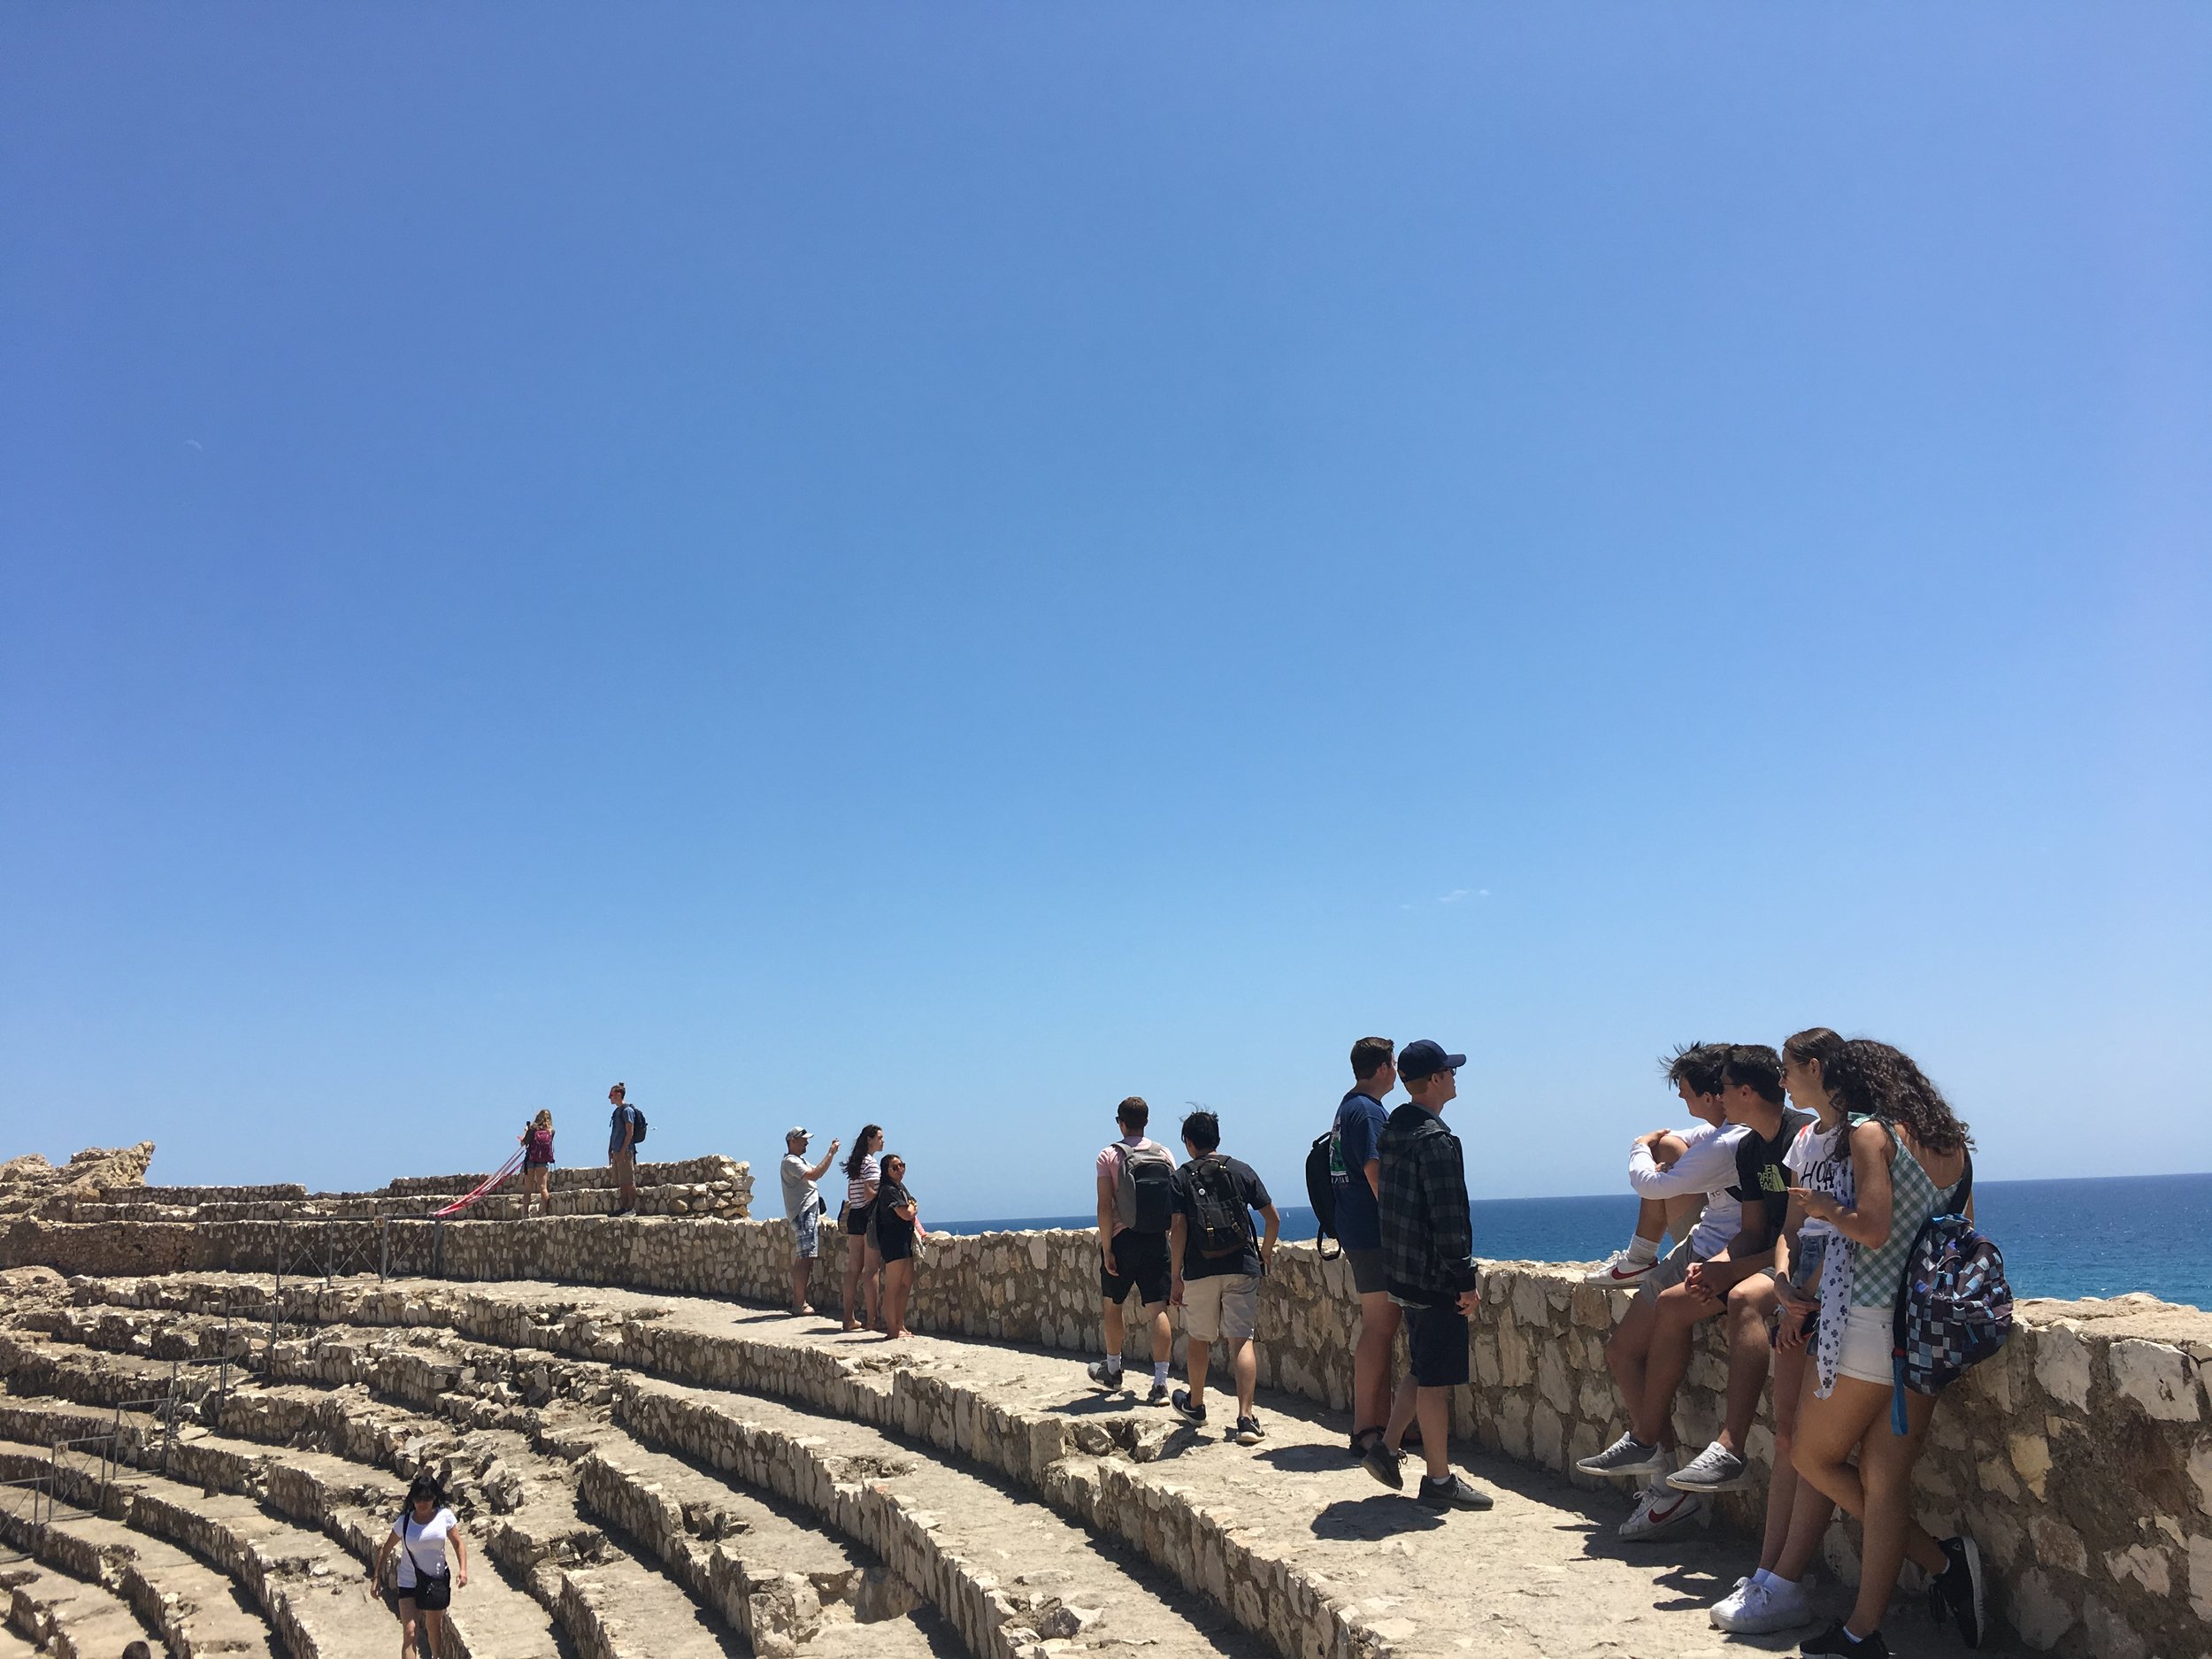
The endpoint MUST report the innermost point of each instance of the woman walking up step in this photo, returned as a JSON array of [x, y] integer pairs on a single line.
[[420, 1536], [537, 1164]]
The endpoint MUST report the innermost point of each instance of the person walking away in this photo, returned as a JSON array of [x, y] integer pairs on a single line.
[[1135, 1178], [1736, 1280], [802, 1208], [1216, 1267], [862, 1267], [1910, 1161], [537, 1164], [1772, 1598], [1428, 1247], [623, 1130], [423, 1531], [1702, 1171], [898, 1225], [1356, 1175]]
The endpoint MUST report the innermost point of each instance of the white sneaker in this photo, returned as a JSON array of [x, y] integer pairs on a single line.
[[1724, 1613], [1660, 1510], [1764, 1608], [1617, 1272]]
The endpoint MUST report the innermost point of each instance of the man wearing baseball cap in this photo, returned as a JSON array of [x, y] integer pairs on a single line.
[[1429, 1270], [803, 1207]]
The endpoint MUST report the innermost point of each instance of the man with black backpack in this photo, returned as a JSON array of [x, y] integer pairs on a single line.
[[625, 1130], [1136, 1202], [1356, 1182], [1218, 1264]]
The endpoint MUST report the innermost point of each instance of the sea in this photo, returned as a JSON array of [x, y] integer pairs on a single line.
[[2067, 1237]]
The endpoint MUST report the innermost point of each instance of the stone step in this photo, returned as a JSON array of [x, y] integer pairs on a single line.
[[14, 1646], [1007, 1569], [610, 1606], [775, 1580], [310, 1592], [67, 1618], [195, 1612]]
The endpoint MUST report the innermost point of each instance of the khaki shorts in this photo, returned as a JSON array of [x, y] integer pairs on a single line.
[[1671, 1269], [1224, 1308]]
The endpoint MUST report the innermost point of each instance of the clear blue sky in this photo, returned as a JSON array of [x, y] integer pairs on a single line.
[[947, 565]]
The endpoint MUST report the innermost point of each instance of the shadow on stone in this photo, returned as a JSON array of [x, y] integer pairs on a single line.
[[1304, 1460], [1385, 1515]]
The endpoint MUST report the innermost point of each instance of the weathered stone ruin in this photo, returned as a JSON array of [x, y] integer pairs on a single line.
[[651, 1458]]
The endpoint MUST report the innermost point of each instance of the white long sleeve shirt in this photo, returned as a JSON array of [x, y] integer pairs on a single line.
[[1707, 1166]]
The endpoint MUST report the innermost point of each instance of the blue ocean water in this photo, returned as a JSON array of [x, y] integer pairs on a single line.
[[2072, 1238]]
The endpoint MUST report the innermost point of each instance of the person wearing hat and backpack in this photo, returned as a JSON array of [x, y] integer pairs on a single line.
[[1428, 1242], [1136, 1203], [1217, 1266]]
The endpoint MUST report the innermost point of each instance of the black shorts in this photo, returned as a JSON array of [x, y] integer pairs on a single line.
[[895, 1248], [430, 1595], [1143, 1259], [857, 1219], [1436, 1339]]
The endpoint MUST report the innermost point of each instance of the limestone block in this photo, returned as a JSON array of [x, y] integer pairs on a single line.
[[1546, 1436], [2109, 1635], [2030, 1460], [1513, 1426], [1551, 1381], [2144, 1564], [2200, 1475], [2062, 1363], [2160, 1378], [2037, 1611], [1994, 1475], [2057, 1544], [1529, 1305]]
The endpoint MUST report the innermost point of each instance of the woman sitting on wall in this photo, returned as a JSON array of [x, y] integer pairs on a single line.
[[419, 1536], [897, 1225], [537, 1164], [862, 1265]]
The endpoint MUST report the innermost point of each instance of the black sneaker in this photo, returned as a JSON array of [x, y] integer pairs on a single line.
[[1451, 1493], [1385, 1465], [1836, 1639], [1248, 1432], [1955, 1593], [1190, 1410], [1104, 1377], [1158, 1396]]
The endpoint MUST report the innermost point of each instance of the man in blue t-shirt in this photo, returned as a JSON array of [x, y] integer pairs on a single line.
[[1355, 1171]]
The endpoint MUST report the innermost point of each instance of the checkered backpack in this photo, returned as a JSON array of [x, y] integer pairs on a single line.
[[1954, 1307]]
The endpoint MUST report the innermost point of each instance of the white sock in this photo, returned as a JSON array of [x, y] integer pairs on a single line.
[[1159, 1373], [1641, 1250], [1763, 1577], [1113, 1365], [1775, 1581]]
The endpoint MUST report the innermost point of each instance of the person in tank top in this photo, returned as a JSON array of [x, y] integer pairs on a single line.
[[1908, 1159]]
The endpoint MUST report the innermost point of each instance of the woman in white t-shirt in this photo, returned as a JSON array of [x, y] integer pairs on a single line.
[[1820, 1161], [422, 1534]]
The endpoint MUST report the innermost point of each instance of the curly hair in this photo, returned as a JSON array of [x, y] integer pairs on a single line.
[[1872, 1078], [1699, 1064]]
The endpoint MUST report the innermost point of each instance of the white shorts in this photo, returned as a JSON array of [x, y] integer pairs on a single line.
[[1224, 1308], [1869, 1338]]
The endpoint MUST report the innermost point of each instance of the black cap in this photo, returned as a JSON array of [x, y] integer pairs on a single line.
[[1417, 1060]]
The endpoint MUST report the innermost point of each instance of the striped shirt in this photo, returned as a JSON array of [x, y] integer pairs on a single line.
[[857, 1187]]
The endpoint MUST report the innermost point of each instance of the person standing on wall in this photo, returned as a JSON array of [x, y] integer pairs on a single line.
[[1355, 1173], [1428, 1242], [625, 1130], [1136, 1206], [1217, 1265], [537, 1164], [802, 1208], [862, 1172]]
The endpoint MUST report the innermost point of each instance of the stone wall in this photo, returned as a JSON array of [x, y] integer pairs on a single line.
[[2081, 1457]]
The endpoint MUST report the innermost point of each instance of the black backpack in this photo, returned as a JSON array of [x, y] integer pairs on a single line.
[[637, 1125], [1321, 1191], [1219, 1224]]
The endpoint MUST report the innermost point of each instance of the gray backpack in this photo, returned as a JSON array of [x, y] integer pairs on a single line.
[[1144, 1187]]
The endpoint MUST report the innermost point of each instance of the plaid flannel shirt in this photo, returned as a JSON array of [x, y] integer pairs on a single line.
[[1427, 1240]]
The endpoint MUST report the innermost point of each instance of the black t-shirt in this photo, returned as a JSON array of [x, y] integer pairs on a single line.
[[1760, 1177], [1249, 1189], [890, 1230]]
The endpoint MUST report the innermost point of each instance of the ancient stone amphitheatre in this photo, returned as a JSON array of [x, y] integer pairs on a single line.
[[214, 1397]]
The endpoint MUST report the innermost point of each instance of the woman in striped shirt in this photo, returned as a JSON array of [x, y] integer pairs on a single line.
[[864, 1268]]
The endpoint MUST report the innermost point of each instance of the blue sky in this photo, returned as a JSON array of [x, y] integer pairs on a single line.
[[945, 565]]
